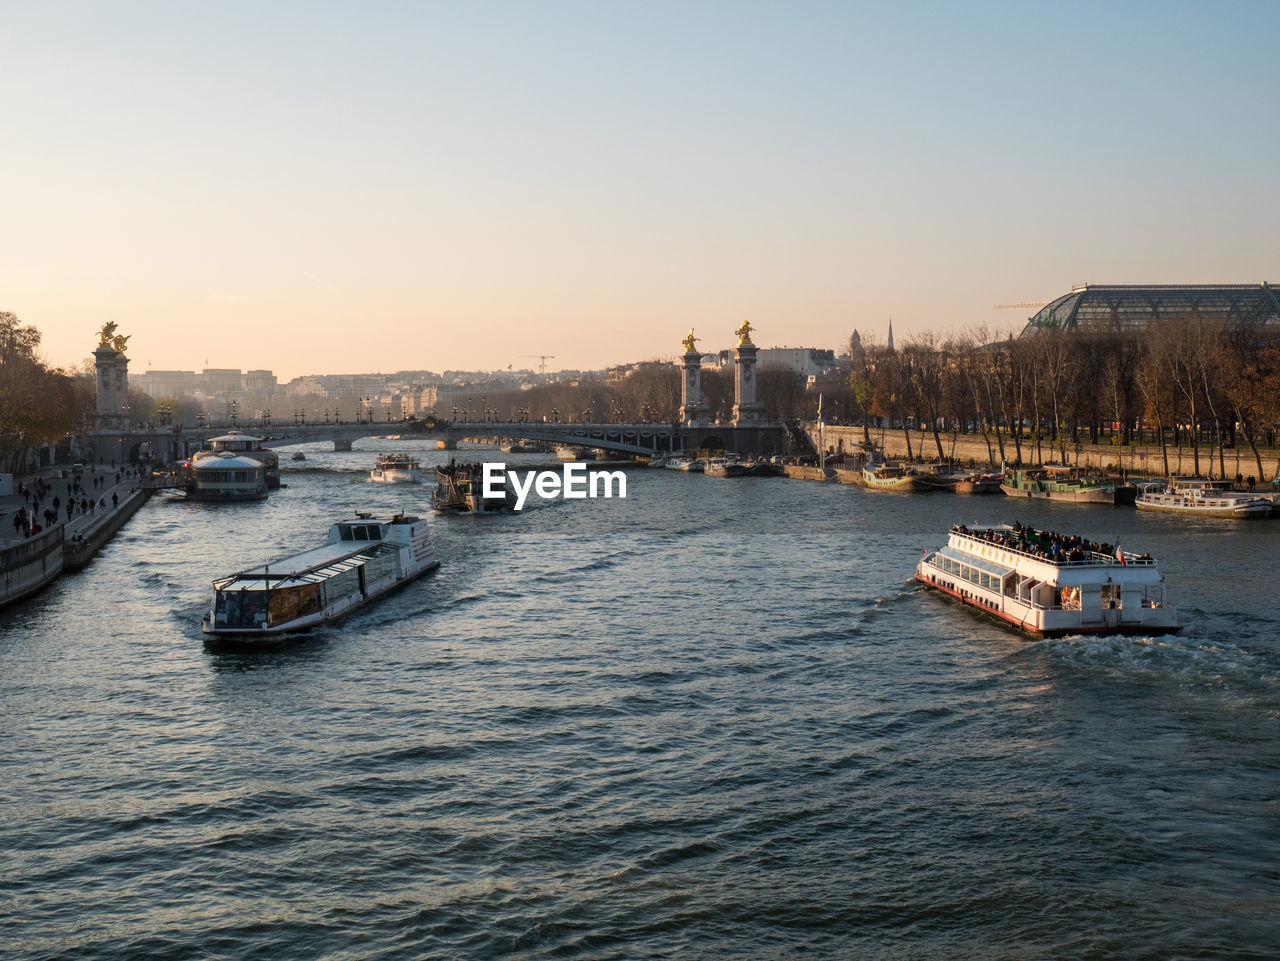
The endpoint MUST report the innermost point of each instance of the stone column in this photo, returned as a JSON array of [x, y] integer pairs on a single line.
[[693, 406], [747, 410], [113, 387]]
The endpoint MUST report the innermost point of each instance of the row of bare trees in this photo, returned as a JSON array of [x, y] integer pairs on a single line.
[[1186, 380], [38, 404]]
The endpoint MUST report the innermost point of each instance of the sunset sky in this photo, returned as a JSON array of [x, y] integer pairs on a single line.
[[324, 187]]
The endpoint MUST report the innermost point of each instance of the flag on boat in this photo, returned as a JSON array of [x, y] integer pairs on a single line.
[[1120, 554]]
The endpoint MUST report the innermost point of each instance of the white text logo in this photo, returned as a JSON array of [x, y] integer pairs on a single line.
[[571, 482]]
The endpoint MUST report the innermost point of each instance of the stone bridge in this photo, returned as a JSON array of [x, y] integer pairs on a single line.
[[171, 444]]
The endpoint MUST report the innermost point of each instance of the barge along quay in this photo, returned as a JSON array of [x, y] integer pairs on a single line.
[[1048, 584], [1201, 498], [364, 558]]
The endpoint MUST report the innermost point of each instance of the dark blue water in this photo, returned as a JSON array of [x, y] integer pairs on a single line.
[[712, 721]]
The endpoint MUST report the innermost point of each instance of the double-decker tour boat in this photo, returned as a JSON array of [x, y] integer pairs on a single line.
[[1049, 584], [1203, 498], [396, 469], [364, 558]]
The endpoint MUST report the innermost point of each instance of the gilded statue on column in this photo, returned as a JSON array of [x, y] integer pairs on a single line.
[[107, 337], [690, 342], [744, 334]]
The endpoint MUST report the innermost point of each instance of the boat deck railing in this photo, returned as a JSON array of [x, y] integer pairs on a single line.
[[1091, 558]]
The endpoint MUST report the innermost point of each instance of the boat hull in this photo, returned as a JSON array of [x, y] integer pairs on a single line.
[[981, 485], [395, 477], [1089, 495], [1238, 512], [898, 484], [985, 607]]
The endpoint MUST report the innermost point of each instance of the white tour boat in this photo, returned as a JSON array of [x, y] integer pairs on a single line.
[[1203, 498], [1050, 585], [365, 557], [396, 469]]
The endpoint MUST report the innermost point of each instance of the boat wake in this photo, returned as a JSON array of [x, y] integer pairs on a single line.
[[1195, 663]]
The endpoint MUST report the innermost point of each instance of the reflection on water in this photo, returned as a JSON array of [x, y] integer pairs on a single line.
[[714, 720]]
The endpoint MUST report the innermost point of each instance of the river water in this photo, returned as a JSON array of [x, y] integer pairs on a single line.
[[714, 720]]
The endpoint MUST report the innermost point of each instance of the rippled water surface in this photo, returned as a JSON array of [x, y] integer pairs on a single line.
[[713, 720]]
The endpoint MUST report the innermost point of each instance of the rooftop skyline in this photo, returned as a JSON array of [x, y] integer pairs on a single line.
[[310, 188]]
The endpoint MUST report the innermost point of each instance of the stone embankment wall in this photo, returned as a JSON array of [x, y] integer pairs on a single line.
[[965, 447]]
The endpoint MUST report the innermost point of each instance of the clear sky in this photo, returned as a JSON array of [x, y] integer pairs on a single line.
[[337, 187]]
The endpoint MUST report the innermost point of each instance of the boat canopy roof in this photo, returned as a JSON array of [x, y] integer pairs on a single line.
[[310, 567], [227, 461], [235, 435]]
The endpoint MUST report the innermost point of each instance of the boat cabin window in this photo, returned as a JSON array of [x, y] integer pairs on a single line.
[[362, 532], [240, 609], [289, 603]]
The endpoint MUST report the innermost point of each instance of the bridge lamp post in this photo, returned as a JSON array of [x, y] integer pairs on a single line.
[[235, 406]]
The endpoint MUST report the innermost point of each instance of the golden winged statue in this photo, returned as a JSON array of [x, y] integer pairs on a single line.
[[744, 334], [690, 342], [106, 333], [118, 342]]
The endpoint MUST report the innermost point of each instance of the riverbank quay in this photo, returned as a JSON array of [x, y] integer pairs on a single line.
[[1139, 460], [801, 472], [30, 564]]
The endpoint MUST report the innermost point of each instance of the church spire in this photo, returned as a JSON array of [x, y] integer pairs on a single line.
[[891, 333]]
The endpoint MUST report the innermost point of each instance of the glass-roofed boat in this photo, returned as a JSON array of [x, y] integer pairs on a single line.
[[364, 558]]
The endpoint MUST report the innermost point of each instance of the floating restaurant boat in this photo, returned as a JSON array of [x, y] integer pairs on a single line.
[[244, 445], [565, 452], [1203, 498], [1060, 482], [658, 460], [226, 477], [364, 558], [460, 490], [1049, 585], [396, 469]]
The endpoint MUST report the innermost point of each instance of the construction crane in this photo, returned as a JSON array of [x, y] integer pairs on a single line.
[[1025, 305], [542, 361]]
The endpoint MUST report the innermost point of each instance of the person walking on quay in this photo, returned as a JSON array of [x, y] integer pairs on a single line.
[[57, 502], [115, 500]]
